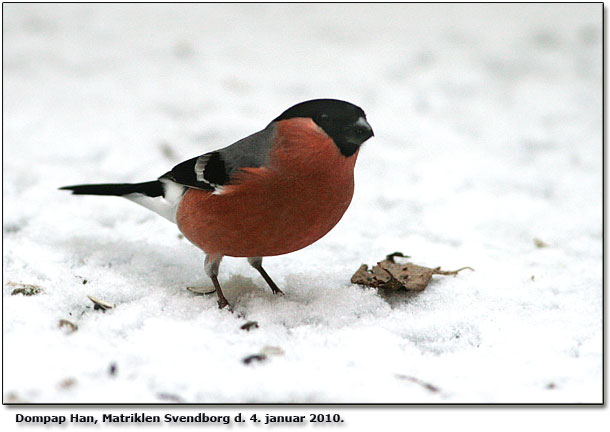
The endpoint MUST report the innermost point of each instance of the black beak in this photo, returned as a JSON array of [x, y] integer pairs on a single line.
[[353, 135], [361, 131]]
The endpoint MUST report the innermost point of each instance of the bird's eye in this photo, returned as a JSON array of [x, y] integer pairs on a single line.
[[323, 117]]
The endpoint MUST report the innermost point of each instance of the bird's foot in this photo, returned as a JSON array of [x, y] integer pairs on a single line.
[[223, 303], [277, 291]]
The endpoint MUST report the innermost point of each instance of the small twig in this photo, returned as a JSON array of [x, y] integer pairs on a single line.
[[424, 384], [450, 272], [391, 256]]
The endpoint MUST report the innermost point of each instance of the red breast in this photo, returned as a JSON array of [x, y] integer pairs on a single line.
[[294, 201]]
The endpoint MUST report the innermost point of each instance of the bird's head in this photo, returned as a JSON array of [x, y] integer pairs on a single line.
[[342, 121]]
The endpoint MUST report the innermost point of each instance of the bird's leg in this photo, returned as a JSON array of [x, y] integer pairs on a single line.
[[257, 263], [222, 301], [211, 268]]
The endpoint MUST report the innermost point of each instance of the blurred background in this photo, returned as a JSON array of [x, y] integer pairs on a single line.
[[488, 138]]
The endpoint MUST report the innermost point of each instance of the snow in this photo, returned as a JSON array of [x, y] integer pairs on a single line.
[[487, 124]]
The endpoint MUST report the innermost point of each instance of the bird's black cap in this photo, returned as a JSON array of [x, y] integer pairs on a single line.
[[344, 122]]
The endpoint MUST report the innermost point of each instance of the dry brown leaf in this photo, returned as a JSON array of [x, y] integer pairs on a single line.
[[25, 289], [100, 304], [540, 243], [13, 398], [390, 275], [202, 290], [68, 325], [250, 325], [67, 383]]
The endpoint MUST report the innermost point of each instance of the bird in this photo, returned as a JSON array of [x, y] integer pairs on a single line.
[[271, 193]]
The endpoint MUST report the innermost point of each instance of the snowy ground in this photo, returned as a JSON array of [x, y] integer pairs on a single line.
[[488, 136]]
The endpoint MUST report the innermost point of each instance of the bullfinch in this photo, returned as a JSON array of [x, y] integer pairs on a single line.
[[271, 193]]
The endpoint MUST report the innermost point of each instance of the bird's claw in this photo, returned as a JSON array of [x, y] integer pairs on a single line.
[[223, 303]]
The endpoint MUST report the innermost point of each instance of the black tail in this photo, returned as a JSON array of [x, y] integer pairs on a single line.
[[152, 189]]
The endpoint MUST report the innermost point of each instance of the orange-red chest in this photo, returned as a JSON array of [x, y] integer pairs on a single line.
[[301, 195]]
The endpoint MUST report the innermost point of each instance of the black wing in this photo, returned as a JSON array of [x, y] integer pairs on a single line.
[[207, 172], [213, 170]]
